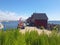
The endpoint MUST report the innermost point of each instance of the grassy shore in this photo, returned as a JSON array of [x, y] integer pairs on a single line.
[[15, 37]]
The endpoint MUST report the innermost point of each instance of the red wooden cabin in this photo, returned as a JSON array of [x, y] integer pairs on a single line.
[[39, 19]]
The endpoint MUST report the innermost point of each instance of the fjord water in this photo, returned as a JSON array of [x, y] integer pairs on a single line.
[[54, 22], [10, 24], [14, 24]]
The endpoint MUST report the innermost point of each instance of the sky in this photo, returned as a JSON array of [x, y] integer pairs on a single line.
[[14, 9]]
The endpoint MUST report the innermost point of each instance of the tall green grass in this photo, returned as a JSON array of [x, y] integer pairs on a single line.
[[14, 37]]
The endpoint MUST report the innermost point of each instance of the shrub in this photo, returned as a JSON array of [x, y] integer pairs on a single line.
[[40, 27]]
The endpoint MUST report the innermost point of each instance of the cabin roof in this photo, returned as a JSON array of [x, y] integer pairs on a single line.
[[40, 16]]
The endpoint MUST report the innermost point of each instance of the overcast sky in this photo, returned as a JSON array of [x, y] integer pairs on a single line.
[[14, 9]]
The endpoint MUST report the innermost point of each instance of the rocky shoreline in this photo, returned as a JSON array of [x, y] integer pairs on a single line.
[[52, 26]]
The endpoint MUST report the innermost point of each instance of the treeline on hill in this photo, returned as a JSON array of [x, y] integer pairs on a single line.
[[14, 37]]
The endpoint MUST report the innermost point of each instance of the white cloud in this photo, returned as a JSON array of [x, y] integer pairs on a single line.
[[6, 15]]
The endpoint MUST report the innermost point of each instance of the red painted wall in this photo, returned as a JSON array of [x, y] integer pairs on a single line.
[[41, 23]]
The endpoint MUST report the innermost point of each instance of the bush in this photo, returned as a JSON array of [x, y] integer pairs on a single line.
[[42, 27]]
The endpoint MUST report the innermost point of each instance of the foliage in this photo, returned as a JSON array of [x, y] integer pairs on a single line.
[[15, 37]]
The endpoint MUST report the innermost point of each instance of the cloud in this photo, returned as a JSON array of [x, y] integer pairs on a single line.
[[6, 15]]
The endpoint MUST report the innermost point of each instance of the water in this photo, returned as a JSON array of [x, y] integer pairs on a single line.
[[10, 24], [14, 24], [54, 22]]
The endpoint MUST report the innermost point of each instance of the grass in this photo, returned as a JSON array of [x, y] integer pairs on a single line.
[[14, 37]]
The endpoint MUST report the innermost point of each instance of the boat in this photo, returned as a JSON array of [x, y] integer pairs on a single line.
[[1, 26]]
